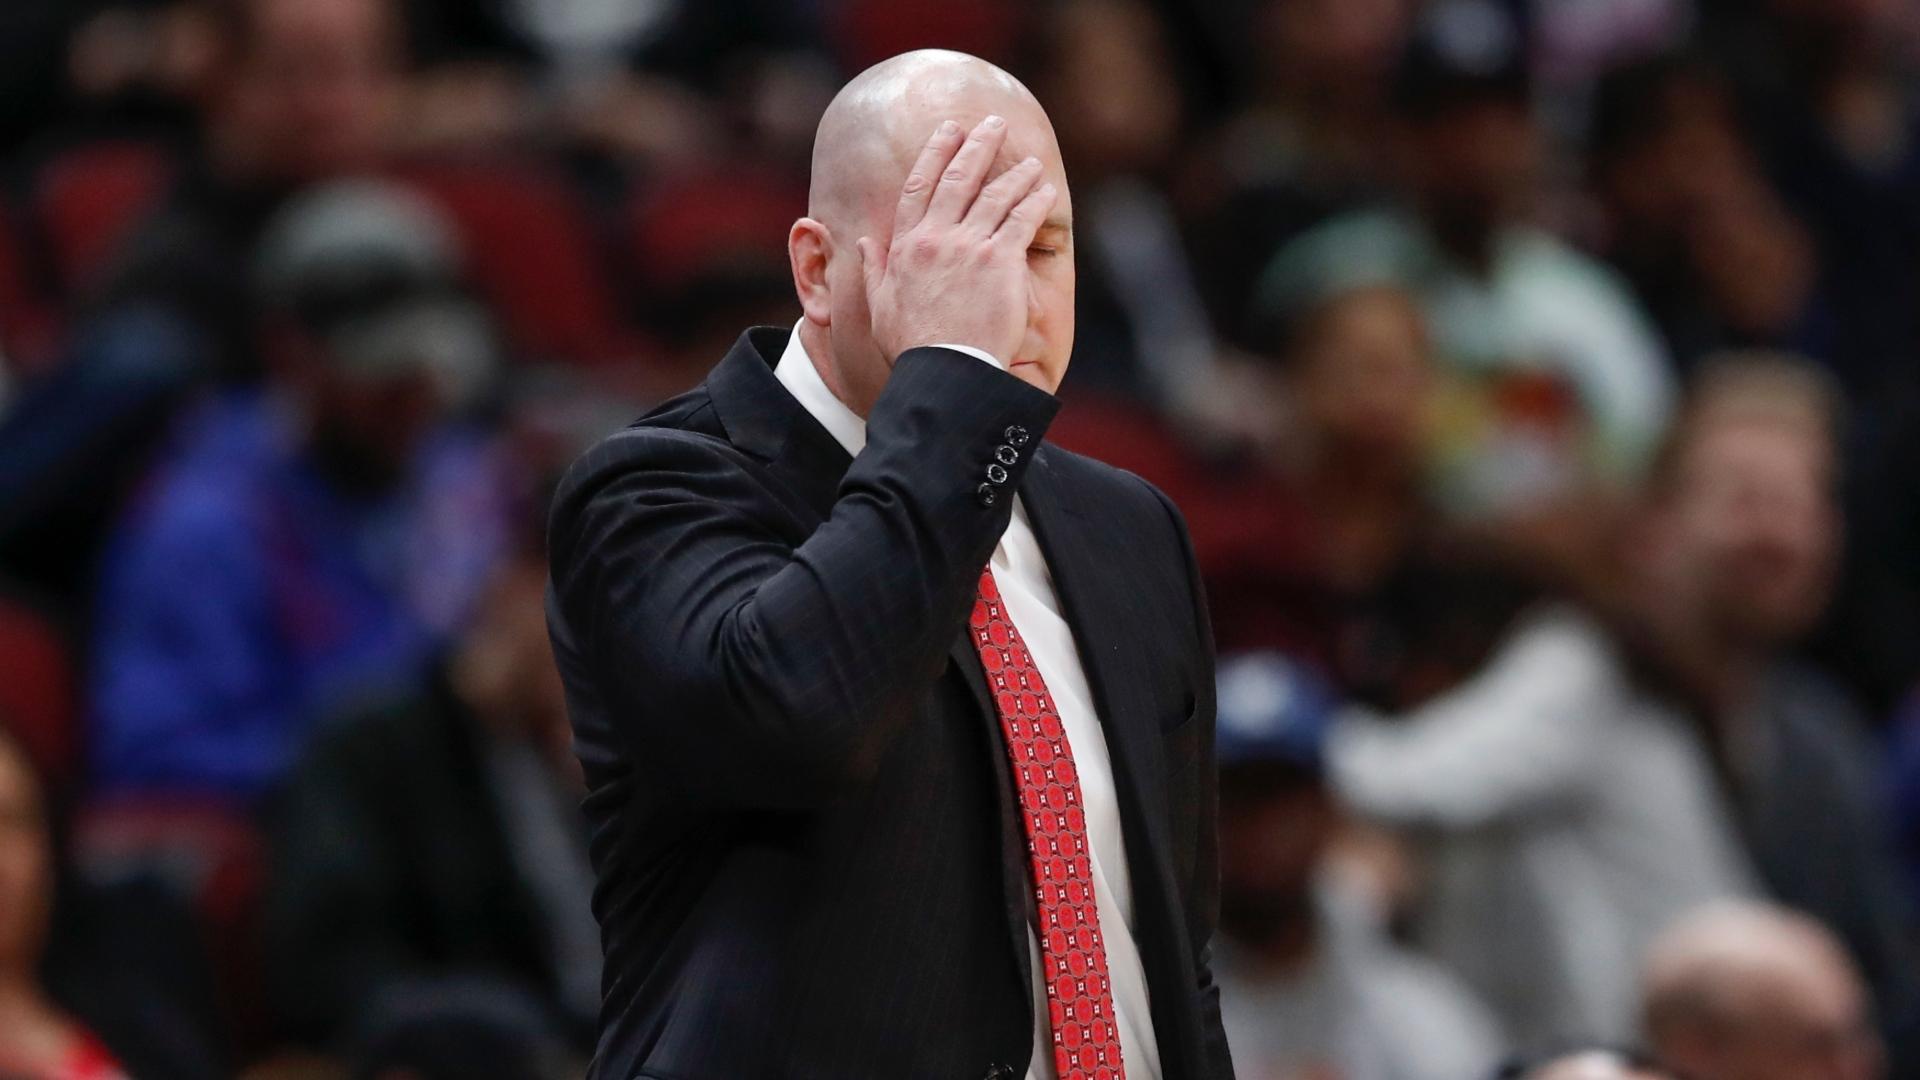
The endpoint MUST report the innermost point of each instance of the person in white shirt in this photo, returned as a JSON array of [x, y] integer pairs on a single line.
[[1311, 984]]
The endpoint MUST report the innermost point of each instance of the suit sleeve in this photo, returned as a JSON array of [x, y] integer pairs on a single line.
[[749, 672], [1203, 891]]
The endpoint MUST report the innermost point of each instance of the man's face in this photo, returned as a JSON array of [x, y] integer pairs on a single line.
[[1048, 345], [25, 865], [312, 92], [1754, 525]]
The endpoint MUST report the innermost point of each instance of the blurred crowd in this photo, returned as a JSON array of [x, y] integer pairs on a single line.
[[1540, 380]]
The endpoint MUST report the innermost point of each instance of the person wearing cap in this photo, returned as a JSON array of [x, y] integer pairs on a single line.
[[1552, 381], [311, 540], [1311, 985]]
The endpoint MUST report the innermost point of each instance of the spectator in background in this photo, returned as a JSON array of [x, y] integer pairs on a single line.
[[1142, 329], [435, 841], [1310, 984], [1609, 774], [1312, 141], [1305, 568], [1565, 817], [1552, 382], [1754, 992], [1829, 89], [297, 92], [1736, 555], [1692, 219], [38, 1041], [293, 92], [307, 541], [1311, 525]]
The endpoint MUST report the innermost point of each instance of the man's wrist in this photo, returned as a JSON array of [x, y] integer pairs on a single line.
[[977, 354]]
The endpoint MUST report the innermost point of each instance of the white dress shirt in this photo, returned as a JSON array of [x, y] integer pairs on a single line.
[[1026, 588]]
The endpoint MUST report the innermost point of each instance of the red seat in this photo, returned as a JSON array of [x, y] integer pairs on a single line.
[[530, 253], [89, 200], [711, 220]]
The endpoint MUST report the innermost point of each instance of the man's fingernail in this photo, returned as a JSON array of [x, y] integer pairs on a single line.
[[948, 127], [1031, 161], [1046, 188], [994, 121]]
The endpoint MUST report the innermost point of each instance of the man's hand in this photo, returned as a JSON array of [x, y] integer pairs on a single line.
[[955, 269]]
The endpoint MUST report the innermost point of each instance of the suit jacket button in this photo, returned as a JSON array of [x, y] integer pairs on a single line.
[[1006, 455], [996, 473], [987, 494], [1017, 435]]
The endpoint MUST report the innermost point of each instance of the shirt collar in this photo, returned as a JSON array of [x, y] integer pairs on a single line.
[[797, 373]]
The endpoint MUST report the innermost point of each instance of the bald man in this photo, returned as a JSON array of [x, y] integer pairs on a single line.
[[1750, 991], [898, 722]]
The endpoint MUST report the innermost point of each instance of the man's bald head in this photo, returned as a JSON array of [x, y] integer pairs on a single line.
[[876, 125], [874, 133], [1747, 990]]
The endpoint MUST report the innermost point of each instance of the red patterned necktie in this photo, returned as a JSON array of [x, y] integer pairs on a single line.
[[1073, 959]]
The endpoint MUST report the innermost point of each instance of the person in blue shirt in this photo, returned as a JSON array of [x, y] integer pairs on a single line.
[[312, 540]]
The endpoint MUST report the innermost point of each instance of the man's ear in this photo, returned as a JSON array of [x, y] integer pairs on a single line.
[[809, 247]]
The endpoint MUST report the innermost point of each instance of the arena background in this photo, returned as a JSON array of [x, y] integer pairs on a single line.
[[1538, 378]]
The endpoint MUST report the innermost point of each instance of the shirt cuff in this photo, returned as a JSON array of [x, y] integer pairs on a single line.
[[977, 354]]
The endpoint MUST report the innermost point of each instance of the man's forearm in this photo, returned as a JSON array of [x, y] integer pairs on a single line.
[[793, 664]]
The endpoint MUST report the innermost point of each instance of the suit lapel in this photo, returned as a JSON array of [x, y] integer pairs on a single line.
[[965, 662], [763, 419], [1082, 562]]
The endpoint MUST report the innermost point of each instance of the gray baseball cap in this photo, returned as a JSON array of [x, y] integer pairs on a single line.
[[374, 271]]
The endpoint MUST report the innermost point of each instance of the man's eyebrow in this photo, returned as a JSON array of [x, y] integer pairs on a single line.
[[1055, 226]]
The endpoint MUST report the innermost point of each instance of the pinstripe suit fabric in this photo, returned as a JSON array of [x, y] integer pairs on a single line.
[[803, 825]]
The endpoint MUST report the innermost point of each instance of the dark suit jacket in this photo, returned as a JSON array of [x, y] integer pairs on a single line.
[[803, 816]]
